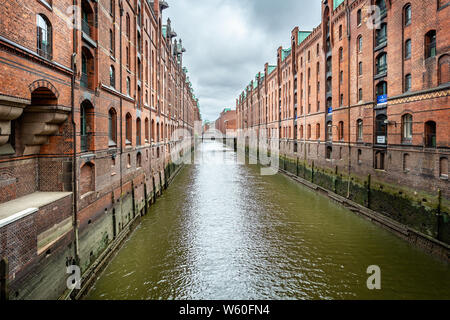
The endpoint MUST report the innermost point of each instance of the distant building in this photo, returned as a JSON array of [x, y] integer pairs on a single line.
[[227, 121]]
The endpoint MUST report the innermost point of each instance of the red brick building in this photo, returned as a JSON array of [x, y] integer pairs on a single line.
[[227, 121], [86, 122], [353, 97]]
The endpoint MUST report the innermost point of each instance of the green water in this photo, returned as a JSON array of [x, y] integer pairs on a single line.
[[223, 231]]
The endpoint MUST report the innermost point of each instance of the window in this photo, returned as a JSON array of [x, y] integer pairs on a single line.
[[359, 156], [340, 32], [360, 44], [360, 94], [44, 37], [318, 131], [359, 130], [128, 26], [381, 129], [358, 17], [128, 128], [382, 88], [406, 162], [329, 131], [86, 17], [138, 131], [407, 83], [147, 129], [111, 42], [360, 68], [309, 131], [408, 49], [83, 128], [112, 77], [382, 63], [341, 100], [381, 35], [341, 54], [341, 77], [139, 160], [128, 86], [430, 134], [407, 15], [341, 130], [407, 127], [430, 44], [382, 6], [112, 127]]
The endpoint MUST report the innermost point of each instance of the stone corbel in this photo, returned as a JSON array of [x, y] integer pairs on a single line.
[[39, 123], [11, 108]]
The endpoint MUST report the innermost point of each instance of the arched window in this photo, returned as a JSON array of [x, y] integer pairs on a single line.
[[112, 127], [318, 131], [359, 17], [360, 44], [381, 35], [44, 37], [340, 32], [138, 131], [341, 130], [407, 15], [147, 134], [128, 26], [329, 131], [444, 69], [111, 42], [430, 44], [407, 121], [128, 129], [112, 77], [360, 68], [86, 17], [309, 131], [430, 134], [86, 124], [381, 63], [341, 54], [87, 178], [408, 49], [301, 132], [360, 94], [153, 130], [359, 130], [407, 82]]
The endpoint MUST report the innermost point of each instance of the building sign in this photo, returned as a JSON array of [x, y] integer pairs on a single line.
[[381, 139], [382, 99]]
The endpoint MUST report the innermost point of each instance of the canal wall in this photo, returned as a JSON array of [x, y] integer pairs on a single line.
[[421, 218], [104, 237]]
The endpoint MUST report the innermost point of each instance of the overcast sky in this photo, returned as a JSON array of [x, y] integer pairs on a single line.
[[229, 41]]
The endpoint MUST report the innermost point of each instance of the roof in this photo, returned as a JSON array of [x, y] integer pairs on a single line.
[[271, 69], [302, 35], [164, 31], [285, 53]]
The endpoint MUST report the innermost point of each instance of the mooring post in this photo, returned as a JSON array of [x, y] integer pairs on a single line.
[[368, 190], [4, 274], [297, 168], [312, 172]]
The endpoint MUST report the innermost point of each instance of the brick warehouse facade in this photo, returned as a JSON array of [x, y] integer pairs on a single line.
[[87, 116], [362, 108]]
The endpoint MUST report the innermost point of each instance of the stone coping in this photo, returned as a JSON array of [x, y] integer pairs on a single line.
[[21, 207]]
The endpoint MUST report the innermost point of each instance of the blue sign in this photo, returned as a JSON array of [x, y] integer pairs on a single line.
[[330, 110], [382, 99]]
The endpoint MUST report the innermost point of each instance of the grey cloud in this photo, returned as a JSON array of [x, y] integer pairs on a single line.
[[228, 42]]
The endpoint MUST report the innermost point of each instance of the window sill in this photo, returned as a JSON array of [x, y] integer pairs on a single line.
[[46, 4]]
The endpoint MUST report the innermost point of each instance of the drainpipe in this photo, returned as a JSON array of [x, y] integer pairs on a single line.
[[347, 8], [74, 136], [121, 107]]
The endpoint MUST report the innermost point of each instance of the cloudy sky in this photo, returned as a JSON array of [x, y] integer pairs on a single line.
[[229, 41]]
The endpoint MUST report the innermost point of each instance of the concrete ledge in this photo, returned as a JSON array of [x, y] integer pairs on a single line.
[[17, 216]]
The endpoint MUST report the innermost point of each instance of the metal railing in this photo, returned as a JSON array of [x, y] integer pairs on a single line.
[[85, 27]]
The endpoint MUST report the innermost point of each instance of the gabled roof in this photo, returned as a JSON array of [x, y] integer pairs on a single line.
[[285, 53], [337, 3], [270, 69], [302, 35]]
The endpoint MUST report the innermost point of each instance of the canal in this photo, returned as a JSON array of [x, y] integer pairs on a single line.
[[223, 231]]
